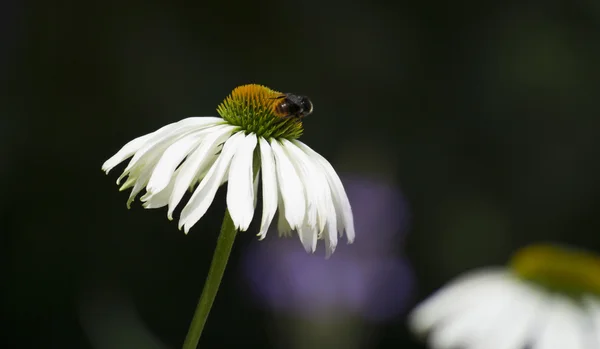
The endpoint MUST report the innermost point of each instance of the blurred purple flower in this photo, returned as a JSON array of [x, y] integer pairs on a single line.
[[367, 277]]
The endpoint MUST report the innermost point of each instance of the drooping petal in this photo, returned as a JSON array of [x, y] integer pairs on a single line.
[[160, 199], [310, 181], [317, 187], [340, 199], [197, 163], [290, 187], [125, 152], [138, 178], [140, 183], [161, 139], [137, 147], [171, 158], [319, 194], [330, 233], [341, 203], [206, 190], [308, 237], [269, 187], [240, 188]]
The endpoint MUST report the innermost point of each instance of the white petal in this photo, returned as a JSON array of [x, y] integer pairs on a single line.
[[340, 199], [138, 178], [479, 312], [197, 163], [127, 151], [269, 187], [514, 326], [330, 233], [140, 183], [240, 189], [454, 332], [136, 145], [452, 298], [318, 194], [564, 326], [161, 198], [308, 237], [206, 190], [171, 158], [161, 139], [315, 182], [309, 179], [290, 187]]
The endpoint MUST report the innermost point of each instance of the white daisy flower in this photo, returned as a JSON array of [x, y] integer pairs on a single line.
[[547, 298], [252, 139]]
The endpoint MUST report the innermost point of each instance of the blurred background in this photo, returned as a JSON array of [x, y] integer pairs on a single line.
[[461, 130]]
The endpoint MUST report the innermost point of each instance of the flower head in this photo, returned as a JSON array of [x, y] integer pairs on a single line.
[[249, 141], [548, 298]]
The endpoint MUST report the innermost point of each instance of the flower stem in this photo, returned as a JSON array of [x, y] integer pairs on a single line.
[[213, 280]]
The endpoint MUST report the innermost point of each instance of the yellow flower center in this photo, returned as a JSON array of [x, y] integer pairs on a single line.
[[569, 271], [252, 108]]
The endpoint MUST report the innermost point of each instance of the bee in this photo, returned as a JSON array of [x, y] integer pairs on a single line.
[[292, 105]]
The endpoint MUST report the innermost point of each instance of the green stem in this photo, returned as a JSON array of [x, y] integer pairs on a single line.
[[213, 280]]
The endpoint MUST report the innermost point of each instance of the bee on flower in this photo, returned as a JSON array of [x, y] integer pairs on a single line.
[[548, 297], [256, 136]]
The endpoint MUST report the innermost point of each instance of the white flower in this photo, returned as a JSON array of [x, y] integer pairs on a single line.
[[537, 304], [211, 151]]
